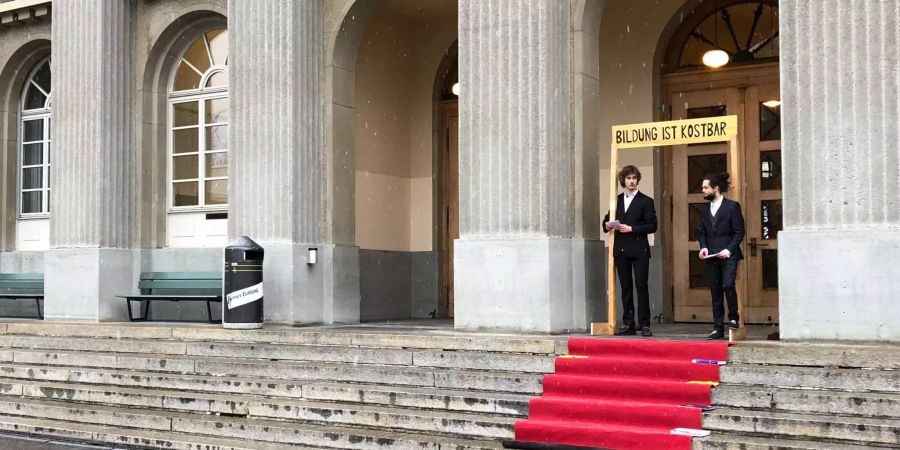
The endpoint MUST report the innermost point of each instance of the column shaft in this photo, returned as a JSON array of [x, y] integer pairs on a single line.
[[515, 158], [93, 175]]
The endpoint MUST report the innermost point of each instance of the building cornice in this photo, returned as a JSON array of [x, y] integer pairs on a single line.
[[18, 12]]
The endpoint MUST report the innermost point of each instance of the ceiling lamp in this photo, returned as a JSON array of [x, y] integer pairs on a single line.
[[772, 104], [455, 89], [715, 58]]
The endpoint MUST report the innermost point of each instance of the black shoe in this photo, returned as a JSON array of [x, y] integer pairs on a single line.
[[733, 324], [645, 332], [625, 330], [716, 334]]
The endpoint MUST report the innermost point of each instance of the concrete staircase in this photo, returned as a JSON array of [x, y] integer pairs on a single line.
[[202, 387], [806, 396], [205, 387]]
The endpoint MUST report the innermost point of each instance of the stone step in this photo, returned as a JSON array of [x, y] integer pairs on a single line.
[[483, 380], [732, 441], [156, 380], [431, 421], [424, 339], [487, 380], [272, 431], [877, 404], [133, 361], [80, 432], [377, 416], [812, 355], [426, 398], [457, 359], [816, 426], [857, 380], [450, 392]]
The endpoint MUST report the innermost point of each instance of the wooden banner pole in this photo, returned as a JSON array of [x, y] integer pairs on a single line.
[[609, 328], [611, 297]]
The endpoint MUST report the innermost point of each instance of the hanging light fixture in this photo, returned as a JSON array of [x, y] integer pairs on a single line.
[[772, 104], [455, 89], [716, 57]]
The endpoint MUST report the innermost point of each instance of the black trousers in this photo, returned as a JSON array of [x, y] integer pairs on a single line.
[[721, 274], [640, 267]]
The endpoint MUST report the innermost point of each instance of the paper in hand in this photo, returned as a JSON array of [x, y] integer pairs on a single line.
[[614, 224]]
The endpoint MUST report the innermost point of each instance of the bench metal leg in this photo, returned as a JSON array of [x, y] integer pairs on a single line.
[[40, 312], [209, 312], [146, 310]]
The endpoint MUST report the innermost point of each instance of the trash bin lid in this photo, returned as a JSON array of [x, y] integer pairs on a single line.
[[244, 243]]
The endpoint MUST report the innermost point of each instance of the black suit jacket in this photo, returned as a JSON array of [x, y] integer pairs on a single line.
[[724, 231], [641, 216]]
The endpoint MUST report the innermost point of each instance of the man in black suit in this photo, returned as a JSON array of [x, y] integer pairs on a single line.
[[721, 233], [636, 215]]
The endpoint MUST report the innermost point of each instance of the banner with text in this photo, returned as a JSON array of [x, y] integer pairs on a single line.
[[675, 132]]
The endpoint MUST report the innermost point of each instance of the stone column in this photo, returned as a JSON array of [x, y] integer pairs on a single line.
[[278, 168], [513, 263], [840, 248], [92, 225]]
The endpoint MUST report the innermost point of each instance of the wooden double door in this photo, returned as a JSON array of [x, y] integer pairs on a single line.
[[751, 93]]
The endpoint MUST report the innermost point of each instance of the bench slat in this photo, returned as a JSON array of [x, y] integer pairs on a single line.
[[22, 276], [182, 276], [6, 284], [173, 296], [180, 284]]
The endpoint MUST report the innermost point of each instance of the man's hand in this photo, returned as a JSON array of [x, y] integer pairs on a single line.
[[724, 254], [607, 226], [624, 228], [704, 252]]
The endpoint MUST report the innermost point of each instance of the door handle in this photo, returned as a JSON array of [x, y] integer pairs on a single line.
[[753, 246]]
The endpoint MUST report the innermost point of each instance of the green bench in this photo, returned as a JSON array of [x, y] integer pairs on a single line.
[[24, 286], [176, 287]]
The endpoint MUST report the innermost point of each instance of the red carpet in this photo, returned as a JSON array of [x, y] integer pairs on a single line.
[[624, 394]]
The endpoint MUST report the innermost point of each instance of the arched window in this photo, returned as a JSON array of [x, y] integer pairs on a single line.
[[747, 30], [34, 154], [198, 125]]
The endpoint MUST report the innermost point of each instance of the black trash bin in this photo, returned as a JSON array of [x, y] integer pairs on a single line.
[[242, 307]]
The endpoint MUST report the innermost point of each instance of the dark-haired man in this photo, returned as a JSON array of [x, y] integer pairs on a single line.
[[636, 217], [721, 233]]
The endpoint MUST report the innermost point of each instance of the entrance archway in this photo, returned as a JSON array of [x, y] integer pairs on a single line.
[[749, 88], [384, 195]]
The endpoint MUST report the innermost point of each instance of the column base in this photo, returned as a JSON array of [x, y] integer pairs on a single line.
[[521, 285], [82, 283], [297, 292], [839, 285]]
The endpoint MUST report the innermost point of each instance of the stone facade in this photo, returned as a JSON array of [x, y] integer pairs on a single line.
[[531, 159]]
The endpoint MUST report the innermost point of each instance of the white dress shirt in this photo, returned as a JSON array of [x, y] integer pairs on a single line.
[[629, 198], [714, 206]]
